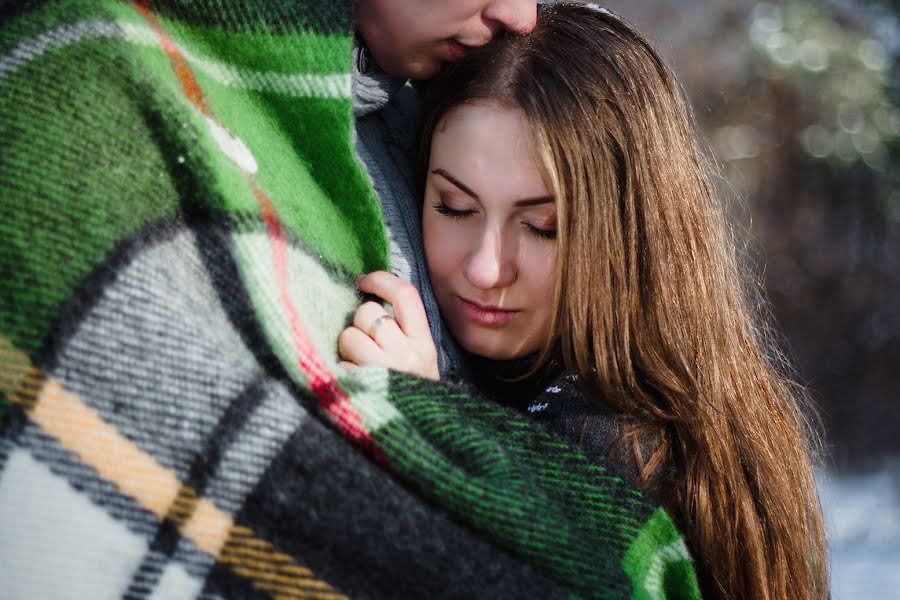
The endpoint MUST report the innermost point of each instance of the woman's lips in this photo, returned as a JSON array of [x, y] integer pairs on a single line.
[[486, 315]]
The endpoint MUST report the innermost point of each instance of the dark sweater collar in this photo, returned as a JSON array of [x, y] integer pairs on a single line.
[[372, 87], [511, 382]]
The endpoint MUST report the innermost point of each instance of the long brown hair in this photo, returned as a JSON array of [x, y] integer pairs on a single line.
[[652, 311]]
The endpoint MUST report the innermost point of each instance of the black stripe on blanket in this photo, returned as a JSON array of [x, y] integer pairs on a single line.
[[419, 553]]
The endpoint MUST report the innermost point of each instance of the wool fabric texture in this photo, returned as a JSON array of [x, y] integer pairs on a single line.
[[386, 111], [183, 218]]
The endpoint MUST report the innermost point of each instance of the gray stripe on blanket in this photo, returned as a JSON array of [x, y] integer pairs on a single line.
[[162, 359]]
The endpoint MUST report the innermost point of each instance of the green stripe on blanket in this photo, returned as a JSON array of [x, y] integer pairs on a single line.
[[183, 217]]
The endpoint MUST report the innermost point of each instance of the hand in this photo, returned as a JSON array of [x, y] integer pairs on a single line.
[[402, 342]]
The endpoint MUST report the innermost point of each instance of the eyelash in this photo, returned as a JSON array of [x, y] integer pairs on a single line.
[[458, 215], [544, 234], [451, 212]]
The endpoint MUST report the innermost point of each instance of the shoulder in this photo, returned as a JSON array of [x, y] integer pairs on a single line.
[[566, 409]]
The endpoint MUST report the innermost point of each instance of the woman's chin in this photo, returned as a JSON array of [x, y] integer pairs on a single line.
[[497, 350]]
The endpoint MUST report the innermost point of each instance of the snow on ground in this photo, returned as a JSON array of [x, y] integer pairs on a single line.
[[862, 514]]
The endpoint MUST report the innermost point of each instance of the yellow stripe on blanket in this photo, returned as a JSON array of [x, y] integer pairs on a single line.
[[15, 366], [81, 430]]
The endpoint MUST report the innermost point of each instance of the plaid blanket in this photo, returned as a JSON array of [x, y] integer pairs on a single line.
[[183, 218]]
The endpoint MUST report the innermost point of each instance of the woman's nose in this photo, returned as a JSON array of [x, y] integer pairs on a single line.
[[490, 265]]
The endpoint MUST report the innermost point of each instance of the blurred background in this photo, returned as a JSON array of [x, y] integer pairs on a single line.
[[800, 103]]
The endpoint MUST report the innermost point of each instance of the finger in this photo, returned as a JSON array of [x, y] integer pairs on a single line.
[[355, 346], [371, 318], [403, 297], [366, 313], [347, 365]]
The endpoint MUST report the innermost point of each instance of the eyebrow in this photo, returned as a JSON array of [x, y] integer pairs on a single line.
[[455, 182], [465, 189]]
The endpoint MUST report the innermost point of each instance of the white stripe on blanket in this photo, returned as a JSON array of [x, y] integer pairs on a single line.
[[299, 85], [56, 543], [675, 552], [176, 583]]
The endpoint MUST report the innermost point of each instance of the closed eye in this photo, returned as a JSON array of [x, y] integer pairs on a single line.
[[546, 234], [452, 212]]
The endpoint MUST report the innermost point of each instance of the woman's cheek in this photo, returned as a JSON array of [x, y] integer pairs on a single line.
[[542, 258], [438, 238]]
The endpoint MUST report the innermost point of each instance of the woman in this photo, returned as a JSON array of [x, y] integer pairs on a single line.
[[569, 218]]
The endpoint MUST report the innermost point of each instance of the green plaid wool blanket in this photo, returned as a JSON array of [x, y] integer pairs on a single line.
[[183, 218]]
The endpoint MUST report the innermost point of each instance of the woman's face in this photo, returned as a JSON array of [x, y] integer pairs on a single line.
[[489, 224]]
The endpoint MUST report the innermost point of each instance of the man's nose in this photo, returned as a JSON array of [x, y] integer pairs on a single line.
[[489, 265], [515, 16]]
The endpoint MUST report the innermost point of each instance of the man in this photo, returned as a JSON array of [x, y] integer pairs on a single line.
[[412, 39], [184, 214]]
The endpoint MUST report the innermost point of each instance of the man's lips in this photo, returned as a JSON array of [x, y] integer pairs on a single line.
[[456, 49], [490, 316]]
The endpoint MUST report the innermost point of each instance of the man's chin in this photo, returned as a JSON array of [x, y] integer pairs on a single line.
[[416, 69], [420, 70]]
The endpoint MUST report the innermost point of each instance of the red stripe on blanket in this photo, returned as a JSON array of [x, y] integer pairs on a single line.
[[331, 397], [182, 71]]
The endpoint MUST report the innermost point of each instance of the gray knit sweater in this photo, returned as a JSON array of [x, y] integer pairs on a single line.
[[386, 109]]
